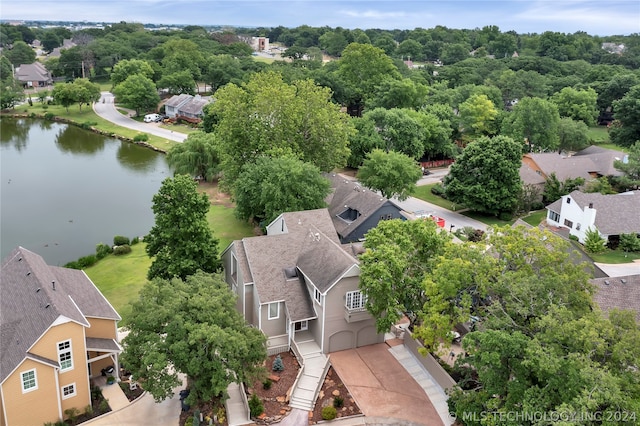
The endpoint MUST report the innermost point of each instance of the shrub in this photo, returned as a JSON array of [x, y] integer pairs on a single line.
[[438, 189], [573, 237], [119, 240], [88, 410], [88, 124], [111, 380], [120, 250], [141, 137], [476, 236], [73, 265], [32, 115], [338, 402], [196, 418], [45, 106], [593, 242], [266, 385], [189, 421], [278, 365], [629, 242], [506, 216], [103, 250], [87, 261], [72, 414], [255, 406], [104, 405], [329, 413], [49, 116], [135, 240]]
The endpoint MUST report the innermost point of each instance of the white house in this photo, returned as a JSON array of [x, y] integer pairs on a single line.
[[610, 215]]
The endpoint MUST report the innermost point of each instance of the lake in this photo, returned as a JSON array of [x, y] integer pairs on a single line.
[[65, 189]]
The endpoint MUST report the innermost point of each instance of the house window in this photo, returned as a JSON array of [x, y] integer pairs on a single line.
[[234, 267], [29, 381], [554, 216], [274, 310], [64, 355], [69, 391], [317, 295], [349, 215], [578, 226], [568, 200], [355, 300], [568, 223]]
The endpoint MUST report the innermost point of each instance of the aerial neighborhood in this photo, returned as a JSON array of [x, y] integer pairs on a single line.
[[361, 226]]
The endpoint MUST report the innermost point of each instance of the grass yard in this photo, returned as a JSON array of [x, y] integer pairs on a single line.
[[423, 192], [120, 278], [598, 135], [226, 227], [614, 256], [536, 217], [488, 220]]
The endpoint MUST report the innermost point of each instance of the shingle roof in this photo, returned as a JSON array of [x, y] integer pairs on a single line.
[[612, 293], [349, 193], [177, 100], [193, 106], [603, 158], [30, 302], [33, 72], [615, 213], [529, 176], [564, 167]]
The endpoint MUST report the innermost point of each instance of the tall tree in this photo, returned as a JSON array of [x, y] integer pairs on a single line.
[[128, 67], [398, 130], [630, 167], [534, 121], [398, 256], [138, 92], [625, 131], [197, 156], [273, 185], [485, 178], [392, 173], [573, 135], [191, 326], [577, 104], [20, 53], [86, 92], [180, 241], [477, 115], [267, 115], [64, 94]]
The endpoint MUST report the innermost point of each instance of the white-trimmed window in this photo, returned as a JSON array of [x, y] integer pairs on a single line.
[[64, 355], [554, 216], [274, 310], [234, 267], [29, 380], [317, 295], [355, 300], [69, 391]]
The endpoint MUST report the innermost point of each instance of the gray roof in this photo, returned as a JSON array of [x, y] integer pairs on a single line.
[[30, 302], [177, 100], [102, 345], [615, 213], [310, 245], [530, 176], [33, 72], [349, 193], [613, 293], [193, 106], [603, 158], [564, 167]]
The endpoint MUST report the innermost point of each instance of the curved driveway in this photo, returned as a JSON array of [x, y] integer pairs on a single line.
[[106, 109]]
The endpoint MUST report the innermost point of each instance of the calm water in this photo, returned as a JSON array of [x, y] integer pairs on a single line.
[[65, 189]]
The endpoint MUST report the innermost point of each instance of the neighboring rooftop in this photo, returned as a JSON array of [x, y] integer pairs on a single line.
[[618, 293]]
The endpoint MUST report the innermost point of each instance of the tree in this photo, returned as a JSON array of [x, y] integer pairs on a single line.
[[398, 130], [392, 173], [625, 130], [137, 92], [196, 156], [630, 167], [267, 115], [50, 41], [64, 94], [593, 241], [191, 326], [85, 91], [573, 135], [398, 255], [554, 189], [128, 67], [579, 105], [485, 178], [178, 82], [20, 53], [454, 52], [534, 121], [477, 115], [180, 239], [630, 242], [274, 185], [403, 93]]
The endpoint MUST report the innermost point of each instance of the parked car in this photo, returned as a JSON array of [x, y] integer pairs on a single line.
[[149, 118]]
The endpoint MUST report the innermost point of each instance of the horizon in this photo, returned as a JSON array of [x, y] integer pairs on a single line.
[[621, 17]]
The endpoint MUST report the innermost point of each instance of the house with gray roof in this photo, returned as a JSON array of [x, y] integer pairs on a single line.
[[57, 331], [355, 209], [185, 107], [618, 293], [33, 75], [610, 215]]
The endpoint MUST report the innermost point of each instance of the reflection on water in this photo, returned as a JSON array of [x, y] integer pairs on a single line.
[[64, 189]]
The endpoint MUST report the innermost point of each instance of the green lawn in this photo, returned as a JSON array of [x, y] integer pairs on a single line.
[[599, 135], [488, 220], [226, 227], [614, 256], [534, 218], [424, 193]]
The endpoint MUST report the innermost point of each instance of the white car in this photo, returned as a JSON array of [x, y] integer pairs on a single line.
[[150, 118]]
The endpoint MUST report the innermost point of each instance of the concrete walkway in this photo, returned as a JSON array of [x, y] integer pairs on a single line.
[[237, 414], [314, 366], [620, 269]]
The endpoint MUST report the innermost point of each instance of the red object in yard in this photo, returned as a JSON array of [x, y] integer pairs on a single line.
[[438, 220]]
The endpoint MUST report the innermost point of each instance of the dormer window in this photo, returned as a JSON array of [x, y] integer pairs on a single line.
[[291, 273], [349, 215]]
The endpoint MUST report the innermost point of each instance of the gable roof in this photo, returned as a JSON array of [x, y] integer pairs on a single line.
[[350, 194], [176, 100], [603, 158], [564, 167], [618, 293], [193, 106], [33, 72], [34, 296], [615, 213], [530, 176]]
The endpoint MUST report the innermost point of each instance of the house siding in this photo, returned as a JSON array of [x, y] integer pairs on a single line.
[[102, 328], [584, 219], [371, 222], [36, 407], [273, 327]]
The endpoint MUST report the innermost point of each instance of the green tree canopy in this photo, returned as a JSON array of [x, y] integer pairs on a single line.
[[180, 241], [573, 135], [191, 326], [625, 131], [86, 92], [477, 115], [398, 130], [554, 189], [579, 105], [398, 256], [138, 92], [267, 115], [630, 167], [274, 185], [534, 121], [20, 53], [392, 173], [178, 82], [196, 156], [128, 67], [485, 177]]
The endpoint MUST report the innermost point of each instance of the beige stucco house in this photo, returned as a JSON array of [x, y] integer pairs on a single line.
[[298, 282], [56, 332]]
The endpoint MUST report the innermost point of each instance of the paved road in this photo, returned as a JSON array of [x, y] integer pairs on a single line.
[[106, 109]]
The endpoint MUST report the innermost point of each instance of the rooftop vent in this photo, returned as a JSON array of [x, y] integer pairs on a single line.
[[47, 305], [623, 281], [53, 284], [28, 273], [606, 282], [291, 273]]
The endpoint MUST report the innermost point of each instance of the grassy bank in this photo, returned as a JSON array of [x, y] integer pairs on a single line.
[[423, 192]]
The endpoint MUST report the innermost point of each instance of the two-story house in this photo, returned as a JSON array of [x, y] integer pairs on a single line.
[[56, 331], [298, 280]]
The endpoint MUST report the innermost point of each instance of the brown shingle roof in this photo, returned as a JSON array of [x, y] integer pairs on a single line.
[[603, 158], [615, 213], [613, 293], [564, 167]]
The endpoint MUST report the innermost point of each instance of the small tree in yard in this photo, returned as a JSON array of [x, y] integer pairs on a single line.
[[392, 173], [629, 242], [278, 365], [593, 241]]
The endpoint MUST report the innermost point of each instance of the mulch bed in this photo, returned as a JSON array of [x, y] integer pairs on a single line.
[[332, 388], [212, 408]]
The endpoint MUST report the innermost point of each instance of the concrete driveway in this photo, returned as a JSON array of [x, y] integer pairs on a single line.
[[106, 109], [382, 387]]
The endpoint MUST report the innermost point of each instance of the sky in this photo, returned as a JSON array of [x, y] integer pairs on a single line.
[[604, 17]]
